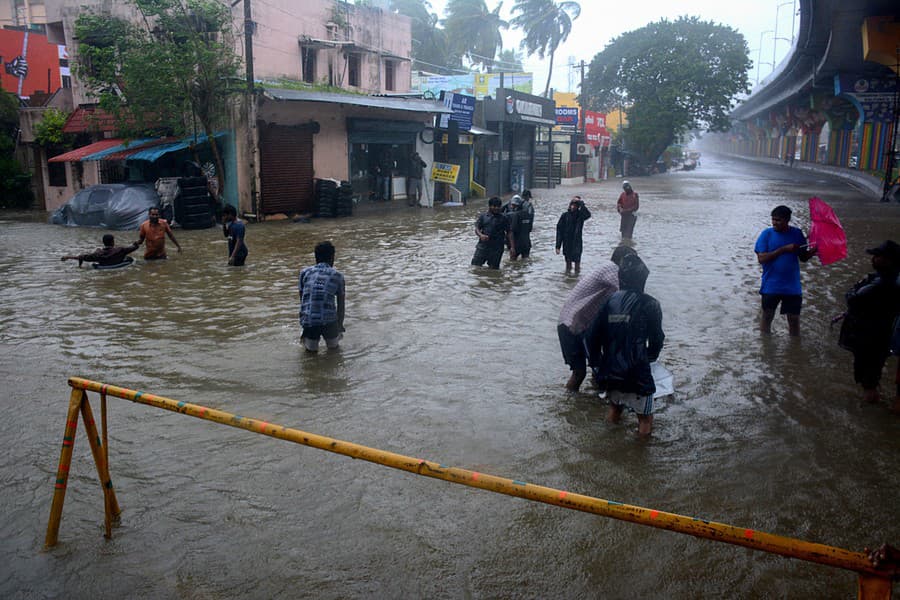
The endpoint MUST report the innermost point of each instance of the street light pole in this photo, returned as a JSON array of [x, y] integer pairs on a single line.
[[759, 54], [775, 37]]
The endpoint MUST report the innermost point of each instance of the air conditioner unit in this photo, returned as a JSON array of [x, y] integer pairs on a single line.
[[583, 149]]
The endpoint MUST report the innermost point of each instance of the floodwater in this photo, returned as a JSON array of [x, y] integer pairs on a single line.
[[449, 363]]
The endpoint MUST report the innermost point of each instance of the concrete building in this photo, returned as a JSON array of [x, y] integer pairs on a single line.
[[330, 80]]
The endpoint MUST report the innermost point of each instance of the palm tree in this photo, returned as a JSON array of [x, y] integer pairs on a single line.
[[546, 25], [430, 46], [474, 30]]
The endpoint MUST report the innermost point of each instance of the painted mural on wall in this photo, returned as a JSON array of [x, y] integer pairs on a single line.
[[31, 63]]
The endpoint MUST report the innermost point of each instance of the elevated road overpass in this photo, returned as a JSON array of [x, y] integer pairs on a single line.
[[834, 99]]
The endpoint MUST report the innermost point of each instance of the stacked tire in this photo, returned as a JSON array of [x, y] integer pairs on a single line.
[[333, 199], [344, 206], [326, 198], [193, 207]]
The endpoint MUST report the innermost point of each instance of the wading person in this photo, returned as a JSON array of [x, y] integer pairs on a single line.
[[154, 231], [414, 181], [109, 255], [321, 301], [492, 229], [568, 232], [520, 223], [580, 310], [626, 206], [624, 339], [779, 249], [872, 305], [234, 229]]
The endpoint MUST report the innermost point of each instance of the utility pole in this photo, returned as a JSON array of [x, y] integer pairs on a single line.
[[581, 104], [250, 108]]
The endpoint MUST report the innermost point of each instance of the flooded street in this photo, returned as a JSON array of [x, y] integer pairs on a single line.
[[449, 363]]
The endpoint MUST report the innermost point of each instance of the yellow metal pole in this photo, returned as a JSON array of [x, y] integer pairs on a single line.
[[107, 504], [62, 471], [872, 587], [110, 504], [758, 540]]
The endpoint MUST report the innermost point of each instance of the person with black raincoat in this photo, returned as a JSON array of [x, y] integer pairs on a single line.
[[624, 339], [568, 232]]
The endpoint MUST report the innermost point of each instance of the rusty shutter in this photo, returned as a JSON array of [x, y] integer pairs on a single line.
[[286, 169]]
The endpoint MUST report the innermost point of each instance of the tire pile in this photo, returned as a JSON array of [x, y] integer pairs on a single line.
[[333, 199]]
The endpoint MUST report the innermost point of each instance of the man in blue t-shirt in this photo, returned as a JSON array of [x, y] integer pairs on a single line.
[[779, 250], [233, 228]]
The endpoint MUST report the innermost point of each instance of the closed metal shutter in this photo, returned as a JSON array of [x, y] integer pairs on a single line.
[[286, 169]]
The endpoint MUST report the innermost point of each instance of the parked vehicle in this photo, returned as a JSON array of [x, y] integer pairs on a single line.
[[108, 205]]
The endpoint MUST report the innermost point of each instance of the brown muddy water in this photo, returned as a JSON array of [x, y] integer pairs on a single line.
[[453, 364]]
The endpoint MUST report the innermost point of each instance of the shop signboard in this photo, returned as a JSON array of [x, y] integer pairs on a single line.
[[463, 108], [595, 131], [567, 118], [444, 172]]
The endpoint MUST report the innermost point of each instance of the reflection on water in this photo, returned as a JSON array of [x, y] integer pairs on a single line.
[[451, 363]]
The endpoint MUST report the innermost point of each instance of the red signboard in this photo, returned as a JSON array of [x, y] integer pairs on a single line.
[[595, 131], [30, 63]]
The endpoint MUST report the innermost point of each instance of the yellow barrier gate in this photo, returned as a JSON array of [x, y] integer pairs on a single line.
[[874, 584]]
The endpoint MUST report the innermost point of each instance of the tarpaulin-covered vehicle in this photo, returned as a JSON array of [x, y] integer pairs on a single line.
[[108, 205]]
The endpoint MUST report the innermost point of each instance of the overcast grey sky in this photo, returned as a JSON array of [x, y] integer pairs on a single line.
[[601, 21]]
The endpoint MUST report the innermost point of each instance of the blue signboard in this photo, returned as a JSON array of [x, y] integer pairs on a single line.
[[567, 117], [463, 108]]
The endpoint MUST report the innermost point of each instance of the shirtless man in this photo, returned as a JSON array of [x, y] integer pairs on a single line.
[[154, 230]]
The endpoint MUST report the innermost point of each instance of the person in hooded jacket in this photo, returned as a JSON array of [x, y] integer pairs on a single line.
[[568, 232], [520, 223], [624, 339]]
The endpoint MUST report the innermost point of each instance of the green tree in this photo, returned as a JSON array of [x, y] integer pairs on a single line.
[[49, 130], [675, 76], [546, 25], [430, 46], [15, 183], [474, 30], [173, 68], [510, 61]]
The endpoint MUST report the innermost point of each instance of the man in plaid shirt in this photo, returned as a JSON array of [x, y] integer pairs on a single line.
[[322, 300]]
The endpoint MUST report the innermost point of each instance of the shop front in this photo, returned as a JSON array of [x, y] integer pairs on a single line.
[[508, 159]]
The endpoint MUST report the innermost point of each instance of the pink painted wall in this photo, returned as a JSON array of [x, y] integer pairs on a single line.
[[377, 35]]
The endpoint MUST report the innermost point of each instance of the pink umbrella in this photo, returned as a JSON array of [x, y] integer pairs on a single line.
[[826, 233]]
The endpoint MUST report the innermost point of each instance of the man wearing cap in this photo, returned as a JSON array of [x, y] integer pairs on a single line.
[[627, 205], [492, 229], [779, 249], [872, 305], [520, 221]]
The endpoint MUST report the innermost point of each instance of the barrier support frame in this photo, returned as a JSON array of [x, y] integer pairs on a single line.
[[873, 583]]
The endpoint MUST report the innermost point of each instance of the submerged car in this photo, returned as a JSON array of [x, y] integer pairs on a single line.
[[108, 205]]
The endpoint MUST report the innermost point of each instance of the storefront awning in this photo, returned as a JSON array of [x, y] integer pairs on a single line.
[[417, 105], [80, 153], [148, 149]]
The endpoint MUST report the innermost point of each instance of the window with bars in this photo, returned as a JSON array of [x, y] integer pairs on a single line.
[[354, 65], [389, 71], [308, 63]]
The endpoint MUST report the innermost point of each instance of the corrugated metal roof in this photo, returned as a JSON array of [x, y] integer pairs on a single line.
[[393, 103], [79, 153], [134, 148], [122, 146], [151, 153]]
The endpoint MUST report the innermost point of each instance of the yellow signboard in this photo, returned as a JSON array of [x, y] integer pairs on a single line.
[[444, 172]]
